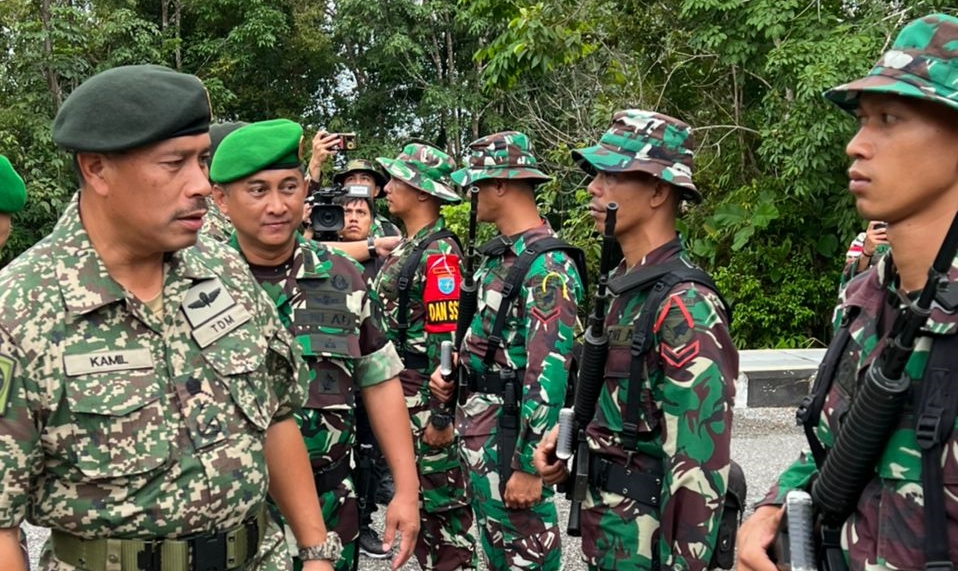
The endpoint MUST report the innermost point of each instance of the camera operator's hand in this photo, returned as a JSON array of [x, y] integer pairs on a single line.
[[386, 244], [324, 145]]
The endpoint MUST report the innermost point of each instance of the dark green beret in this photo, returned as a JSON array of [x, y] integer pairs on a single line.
[[13, 193], [273, 144], [131, 106], [219, 131]]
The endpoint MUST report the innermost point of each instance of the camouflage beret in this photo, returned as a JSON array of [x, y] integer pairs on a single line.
[[423, 167], [219, 131], [362, 165], [501, 155], [131, 106], [13, 193], [644, 141], [274, 144], [922, 63]]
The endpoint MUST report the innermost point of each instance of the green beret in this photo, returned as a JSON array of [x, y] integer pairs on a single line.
[[273, 144], [131, 106], [219, 131], [13, 193]]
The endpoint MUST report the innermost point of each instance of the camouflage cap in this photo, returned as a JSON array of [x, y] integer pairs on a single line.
[[501, 155], [922, 63], [644, 141], [423, 167], [13, 193], [362, 165]]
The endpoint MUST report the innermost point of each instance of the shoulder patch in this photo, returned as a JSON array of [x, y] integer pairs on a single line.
[[7, 367], [441, 292], [546, 296]]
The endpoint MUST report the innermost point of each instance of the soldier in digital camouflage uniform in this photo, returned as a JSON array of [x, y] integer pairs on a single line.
[[215, 224], [902, 172], [145, 382], [13, 197], [516, 516], [322, 299], [414, 194], [644, 163]]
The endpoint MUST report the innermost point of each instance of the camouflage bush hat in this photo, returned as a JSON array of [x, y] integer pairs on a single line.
[[644, 141], [13, 193], [423, 167], [274, 144], [131, 106], [362, 165], [922, 63], [501, 155]]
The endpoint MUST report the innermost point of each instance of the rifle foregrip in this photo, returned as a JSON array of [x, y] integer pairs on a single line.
[[591, 371]]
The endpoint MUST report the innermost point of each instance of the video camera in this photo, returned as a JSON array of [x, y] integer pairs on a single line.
[[327, 218]]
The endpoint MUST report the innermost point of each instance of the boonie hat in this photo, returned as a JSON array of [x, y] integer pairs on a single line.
[[423, 167], [501, 155]]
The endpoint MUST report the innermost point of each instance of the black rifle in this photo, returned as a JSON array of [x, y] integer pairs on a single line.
[[872, 417], [591, 369], [468, 291]]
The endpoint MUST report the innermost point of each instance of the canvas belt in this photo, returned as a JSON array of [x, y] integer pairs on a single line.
[[221, 551], [332, 476], [488, 383], [643, 487]]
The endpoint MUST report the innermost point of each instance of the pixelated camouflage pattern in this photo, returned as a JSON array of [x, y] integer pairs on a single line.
[[343, 352], [684, 429], [644, 141], [362, 165], [445, 510], [140, 452], [216, 225], [501, 155], [538, 334], [424, 167], [922, 63], [887, 530]]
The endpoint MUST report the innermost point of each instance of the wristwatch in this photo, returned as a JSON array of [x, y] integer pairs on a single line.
[[440, 421], [371, 246], [329, 550]]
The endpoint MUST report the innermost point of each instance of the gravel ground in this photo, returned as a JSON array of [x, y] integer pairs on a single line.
[[764, 442]]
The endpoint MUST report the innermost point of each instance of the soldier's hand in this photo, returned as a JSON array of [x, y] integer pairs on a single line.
[[522, 490], [402, 515], [436, 438], [439, 388], [544, 459], [319, 565], [386, 244], [323, 147], [754, 538]]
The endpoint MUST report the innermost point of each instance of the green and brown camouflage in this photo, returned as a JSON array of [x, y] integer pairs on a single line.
[[644, 141], [684, 429], [505, 155], [138, 422], [425, 168], [538, 338], [445, 512], [887, 529], [321, 298], [362, 165], [921, 64]]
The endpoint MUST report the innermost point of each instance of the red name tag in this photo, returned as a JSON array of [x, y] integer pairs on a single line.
[[441, 294]]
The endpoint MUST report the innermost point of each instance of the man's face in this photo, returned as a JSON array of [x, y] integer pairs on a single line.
[[400, 197], [156, 195], [5, 227], [904, 164], [266, 209], [631, 191], [357, 221], [487, 200], [362, 178]]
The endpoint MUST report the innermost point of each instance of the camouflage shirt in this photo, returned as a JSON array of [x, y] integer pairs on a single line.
[[887, 529], [685, 417], [381, 226], [537, 335], [124, 423], [215, 224], [322, 299]]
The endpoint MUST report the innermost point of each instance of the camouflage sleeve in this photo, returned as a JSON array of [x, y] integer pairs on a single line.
[[380, 361], [797, 476], [551, 293], [699, 365], [288, 373], [20, 454]]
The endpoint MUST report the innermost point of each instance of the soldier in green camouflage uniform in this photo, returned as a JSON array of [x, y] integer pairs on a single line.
[[516, 517], [322, 299], [415, 193], [902, 172], [145, 383], [683, 433]]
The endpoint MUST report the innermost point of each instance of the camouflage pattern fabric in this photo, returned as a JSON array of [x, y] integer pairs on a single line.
[[119, 422], [887, 529], [644, 141], [501, 155], [684, 430], [423, 167], [215, 224], [538, 337], [322, 300], [922, 64], [445, 541], [362, 165], [381, 226]]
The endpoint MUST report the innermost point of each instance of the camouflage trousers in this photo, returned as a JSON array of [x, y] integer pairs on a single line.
[[272, 556], [617, 532], [527, 539], [341, 514]]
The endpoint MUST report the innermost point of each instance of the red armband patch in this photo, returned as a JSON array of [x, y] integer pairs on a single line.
[[441, 293]]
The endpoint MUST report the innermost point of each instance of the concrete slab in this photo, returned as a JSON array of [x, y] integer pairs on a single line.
[[775, 377]]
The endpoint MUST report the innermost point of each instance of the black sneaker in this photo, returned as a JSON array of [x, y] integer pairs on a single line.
[[371, 545]]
